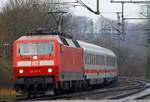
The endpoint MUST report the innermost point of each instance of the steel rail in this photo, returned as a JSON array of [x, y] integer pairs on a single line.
[[138, 86], [135, 94]]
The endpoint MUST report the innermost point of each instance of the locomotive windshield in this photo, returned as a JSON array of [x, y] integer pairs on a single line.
[[35, 48]]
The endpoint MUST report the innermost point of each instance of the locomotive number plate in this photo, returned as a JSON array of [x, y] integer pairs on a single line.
[[35, 63]]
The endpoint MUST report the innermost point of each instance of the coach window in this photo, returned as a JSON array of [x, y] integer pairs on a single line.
[[87, 60], [100, 61], [108, 60], [103, 60], [85, 57], [93, 59], [90, 58], [96, 59]]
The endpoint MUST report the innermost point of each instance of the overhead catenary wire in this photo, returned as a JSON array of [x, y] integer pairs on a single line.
[[90, 9]]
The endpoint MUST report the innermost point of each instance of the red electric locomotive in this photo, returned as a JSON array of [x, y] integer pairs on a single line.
[[43, 63]]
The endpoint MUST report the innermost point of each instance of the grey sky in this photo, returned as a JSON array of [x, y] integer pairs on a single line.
[[106, 9], [2, 2]]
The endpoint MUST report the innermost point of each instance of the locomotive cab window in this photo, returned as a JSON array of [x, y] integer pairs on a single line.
[[43, 48]]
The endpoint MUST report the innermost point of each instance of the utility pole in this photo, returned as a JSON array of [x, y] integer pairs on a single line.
[[118, 33], [148, 43], [148, 24], [123, 18], [123, 24]]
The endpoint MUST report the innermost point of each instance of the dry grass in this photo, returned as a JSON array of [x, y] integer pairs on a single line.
[[7, 94]]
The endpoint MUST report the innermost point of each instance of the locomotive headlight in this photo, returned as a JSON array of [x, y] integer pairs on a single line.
[[34, 57], [50, 70], [20, 71]]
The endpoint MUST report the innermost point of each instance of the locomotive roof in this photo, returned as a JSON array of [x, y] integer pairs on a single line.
[[86, 46], [40, 37]]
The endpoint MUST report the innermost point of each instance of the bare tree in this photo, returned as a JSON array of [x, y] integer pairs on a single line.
[[16, 19]]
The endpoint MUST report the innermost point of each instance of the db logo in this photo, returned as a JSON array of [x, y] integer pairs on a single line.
[[35, 63]]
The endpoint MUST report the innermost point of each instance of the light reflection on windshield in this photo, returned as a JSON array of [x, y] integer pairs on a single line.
[[35, 48]]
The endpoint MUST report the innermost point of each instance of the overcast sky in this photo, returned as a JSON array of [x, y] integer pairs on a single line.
[[107, 9]]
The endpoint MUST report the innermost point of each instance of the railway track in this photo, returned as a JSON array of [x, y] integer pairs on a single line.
[[112, 92], [140, 95]]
